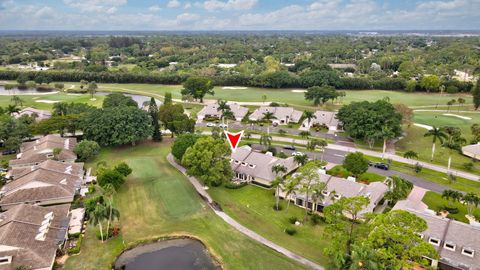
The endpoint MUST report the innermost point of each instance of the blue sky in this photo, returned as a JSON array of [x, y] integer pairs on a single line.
[[239, 15]]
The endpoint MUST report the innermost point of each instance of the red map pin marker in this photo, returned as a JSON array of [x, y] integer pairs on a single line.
[[233, 138]]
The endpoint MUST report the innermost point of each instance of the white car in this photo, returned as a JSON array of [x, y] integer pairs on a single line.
[[222, 125], [298, 154], [210, 124]]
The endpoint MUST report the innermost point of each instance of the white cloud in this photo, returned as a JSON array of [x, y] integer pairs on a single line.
[[173, 4], [187, 5], [108, 6], [44, 12], [154, 8], [187, 17], [229, 5]]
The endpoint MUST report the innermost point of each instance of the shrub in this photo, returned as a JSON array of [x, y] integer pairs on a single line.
[[123, 169], [231, 185], [292, 220], [291, 231], [281, 155], [272, 149], [105, 236], [282, 132], [468, 166], [280, 207], [451, 210], [76, 249], [316, 219], [274, 104]]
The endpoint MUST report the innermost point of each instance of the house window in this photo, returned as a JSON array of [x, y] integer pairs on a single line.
[[5, 260], [299, 202], [49, 155], [420, 235], [449, 246], [319, 208], [337, 196], [325, 193], [468, 252], [237, 162], [309, 205], [434, 241]]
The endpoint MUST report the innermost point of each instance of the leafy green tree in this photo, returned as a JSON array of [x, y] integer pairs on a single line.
[[153, 111], [399, 189], [182, 143], [309, 180], [198, 87], [168, 98], [86, 150], [117, 125], [123, 169], [321, 94], [265, 139], [13, 143], [364, 257], [436, 134], [118, 99], [92, 88], [300, 159], [173, 118], [355, 163], [394, 237], [430, 83], [17, 100], [112, 177], [208, 160], [476, 95]]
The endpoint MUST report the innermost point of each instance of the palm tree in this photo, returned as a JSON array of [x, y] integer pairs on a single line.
[[266, 139], [290, 187], [317, 191], [264, 98], [309, 115], [300, 159], [228, 114], [109, 191], [279, 170], [92, 88], [472, 201], [436, 134], [387, 133], [410, 154], [309, 178], [98, 215], [223, 107], [461, 101], [451, 196], [12, 109], [268, 116], [17, 100], [454, 141]]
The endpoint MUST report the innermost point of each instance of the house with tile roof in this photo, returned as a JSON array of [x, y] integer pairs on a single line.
[[35, 152], [336, 188], [472, 151], [254, 167], [46, 184], [323, 118], [283, 115], [49, 164], [211, 110], [30, 236]]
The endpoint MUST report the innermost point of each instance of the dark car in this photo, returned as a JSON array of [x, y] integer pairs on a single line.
[[289, 147], [382, 166], [8, 152]]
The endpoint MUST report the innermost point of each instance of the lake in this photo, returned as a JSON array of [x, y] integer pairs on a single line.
[[177, 254]]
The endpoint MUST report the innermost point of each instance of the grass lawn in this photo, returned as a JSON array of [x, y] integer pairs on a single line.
[[437, 203], [253, 207], [31, 100], [415, 140], [366, 177], [157, 201]]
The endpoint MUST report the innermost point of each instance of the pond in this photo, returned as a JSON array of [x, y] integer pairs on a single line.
[[177, 254], [140, 99]]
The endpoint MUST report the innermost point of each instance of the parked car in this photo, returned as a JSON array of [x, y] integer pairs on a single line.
[[289, 147], [210, 124], [298, 154], [382, 166], [222, 125], [9, 152]]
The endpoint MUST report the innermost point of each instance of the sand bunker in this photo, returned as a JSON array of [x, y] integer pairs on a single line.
[[458, 116], [299, 91], [423, 126], [234, 88], [46, 101]]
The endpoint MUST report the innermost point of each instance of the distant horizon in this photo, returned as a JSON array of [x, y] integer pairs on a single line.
[[239, 15]]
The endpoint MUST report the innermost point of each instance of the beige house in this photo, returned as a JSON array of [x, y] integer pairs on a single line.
[[283, 115], [255, 167], [336, 188], [41, 114], [472, 151], [325, 118], [35, 152], [211, 110], [30, 236], [48, 184]]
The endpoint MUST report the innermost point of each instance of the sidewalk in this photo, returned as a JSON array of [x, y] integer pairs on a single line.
[[251, 234]]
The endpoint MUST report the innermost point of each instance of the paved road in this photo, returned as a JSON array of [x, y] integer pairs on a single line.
[[251, 234]]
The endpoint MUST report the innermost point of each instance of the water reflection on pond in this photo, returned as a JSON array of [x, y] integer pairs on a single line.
[[178, 254]]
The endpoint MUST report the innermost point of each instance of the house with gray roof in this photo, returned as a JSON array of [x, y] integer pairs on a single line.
[[472, 151], [30, 236], [46, 184], [323, 118], [35, 152], [50, 164], [254, 167], [283, 115], [211, 110], [335, 189], [457, 243]]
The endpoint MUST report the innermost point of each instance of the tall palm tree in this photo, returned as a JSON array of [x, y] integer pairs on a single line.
[[451, 196], [266, 139], [304, 134], [228, 114], [454, 141], [472, 201], [436, 134], [309, 115], [387, 134], [291, 186], [268, 116], [410, 154], [12, 109], [109, 191], [17, 100], [98, 215], [300, 159], [317, 191], [309, 178], [279, 170]]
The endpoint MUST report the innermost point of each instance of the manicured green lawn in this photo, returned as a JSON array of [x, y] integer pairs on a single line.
[[32, 100], [416, 141], [437, 203], [252, 206], [157, 201], [438, 119]]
